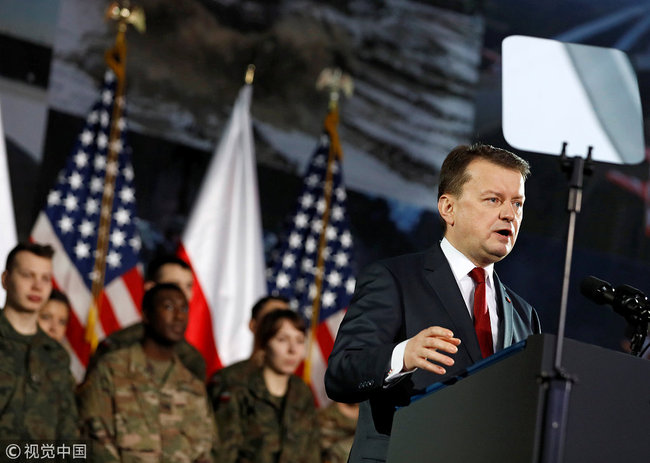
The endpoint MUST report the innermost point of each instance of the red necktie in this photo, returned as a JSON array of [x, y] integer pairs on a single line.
[[481, 313]]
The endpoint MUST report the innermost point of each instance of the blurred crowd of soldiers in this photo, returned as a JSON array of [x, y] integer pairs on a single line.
[[145, 395]]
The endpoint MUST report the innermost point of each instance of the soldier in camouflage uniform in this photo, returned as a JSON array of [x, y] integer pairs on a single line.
[[239, 373], [36, 387], [338, 422], [140, 403], [163, 269], [269, 416]]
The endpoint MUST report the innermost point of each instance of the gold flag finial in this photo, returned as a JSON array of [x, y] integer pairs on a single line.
[[335, 81], [124, 14], [250, 74]]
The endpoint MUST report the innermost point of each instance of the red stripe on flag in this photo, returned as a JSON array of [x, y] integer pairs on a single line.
[[135, 284], [199, 326], [76, 334], [325, 340], [106, 315]]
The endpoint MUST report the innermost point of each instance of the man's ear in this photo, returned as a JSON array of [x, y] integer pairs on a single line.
[[5, 275], [446, 204]]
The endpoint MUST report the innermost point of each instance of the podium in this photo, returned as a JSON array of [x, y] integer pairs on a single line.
[[495, 413]]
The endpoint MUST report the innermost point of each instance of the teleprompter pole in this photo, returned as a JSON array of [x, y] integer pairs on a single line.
[[558, 382]]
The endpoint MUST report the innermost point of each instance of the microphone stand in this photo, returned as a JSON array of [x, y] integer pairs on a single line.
[[558, 382], [638, 338]]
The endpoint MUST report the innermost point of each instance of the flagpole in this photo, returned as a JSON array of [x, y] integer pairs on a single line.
[[336, 82], [115, 58]]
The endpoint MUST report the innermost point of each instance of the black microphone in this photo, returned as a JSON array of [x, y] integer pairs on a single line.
[[627, 301], [597, 290]]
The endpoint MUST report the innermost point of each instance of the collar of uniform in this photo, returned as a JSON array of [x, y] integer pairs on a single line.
[[39, 338], [138, 359], [257, 387], [6, 330], [461, 265]]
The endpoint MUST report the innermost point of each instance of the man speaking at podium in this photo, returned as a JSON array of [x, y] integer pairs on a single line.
[[421, 318]]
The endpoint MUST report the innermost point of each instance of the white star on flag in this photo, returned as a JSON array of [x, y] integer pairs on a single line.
[[65, 224], [70, 202], [96, 184], [127, 195], [81, 159], [92, 206], [118, 238], [122, 216], [102, 141], [87, 137], [87, 228], [100, 163], [104, 119], [54, 198], [82, 250], [76, 180], [113, 259]]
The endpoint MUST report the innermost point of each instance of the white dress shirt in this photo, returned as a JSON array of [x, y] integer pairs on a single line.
[[460, 267]]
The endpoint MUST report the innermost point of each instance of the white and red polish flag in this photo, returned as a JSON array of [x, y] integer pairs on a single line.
[[222, 241]]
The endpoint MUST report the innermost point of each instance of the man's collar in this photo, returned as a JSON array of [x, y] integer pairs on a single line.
[[459, 263]]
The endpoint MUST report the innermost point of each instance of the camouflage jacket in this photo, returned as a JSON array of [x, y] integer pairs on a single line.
[[130, 417], [337, 434], [187, 353], [235, 375], [36, 387], [256, 427]]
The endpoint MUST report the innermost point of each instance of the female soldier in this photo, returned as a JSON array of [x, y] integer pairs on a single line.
[[269, 417], [54, 316]]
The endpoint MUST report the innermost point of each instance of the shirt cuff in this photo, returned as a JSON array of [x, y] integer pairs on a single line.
[[397, 364]]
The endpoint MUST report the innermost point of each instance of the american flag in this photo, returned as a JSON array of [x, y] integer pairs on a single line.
[[70, 222], [312, 266]]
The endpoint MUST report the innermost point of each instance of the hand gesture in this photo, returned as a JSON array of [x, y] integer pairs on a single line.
[[427, 345]]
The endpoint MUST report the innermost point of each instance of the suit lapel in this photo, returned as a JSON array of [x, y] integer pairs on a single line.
[[506, 323], [439, 275]]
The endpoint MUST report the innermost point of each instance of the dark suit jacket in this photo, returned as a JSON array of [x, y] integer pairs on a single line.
[[394, 300]]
